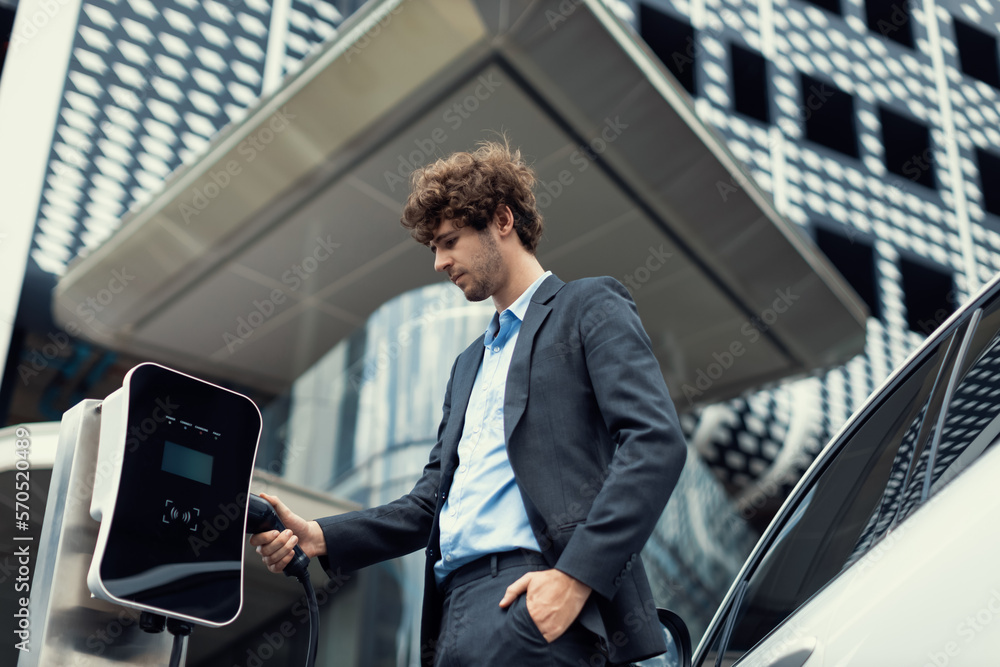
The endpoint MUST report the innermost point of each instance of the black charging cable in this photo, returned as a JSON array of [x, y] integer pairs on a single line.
[[180, 630], [261, 517], [154, 623]]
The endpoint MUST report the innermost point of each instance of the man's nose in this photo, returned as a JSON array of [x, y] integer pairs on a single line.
[[441, 261]]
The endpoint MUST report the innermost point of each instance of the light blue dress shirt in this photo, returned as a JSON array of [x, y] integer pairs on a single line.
[[484, 513]]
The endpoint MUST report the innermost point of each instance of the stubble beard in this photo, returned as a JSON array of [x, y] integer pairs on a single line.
[[485, 273]]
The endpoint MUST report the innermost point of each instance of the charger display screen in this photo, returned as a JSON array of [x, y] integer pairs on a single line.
[[187, 462]]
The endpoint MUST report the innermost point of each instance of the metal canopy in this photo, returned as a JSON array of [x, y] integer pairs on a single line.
[[281, 240]]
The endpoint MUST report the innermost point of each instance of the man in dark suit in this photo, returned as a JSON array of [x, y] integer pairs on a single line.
[[558, 449]]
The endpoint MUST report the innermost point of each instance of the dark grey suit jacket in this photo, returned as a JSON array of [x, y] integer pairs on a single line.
[[596, 449]]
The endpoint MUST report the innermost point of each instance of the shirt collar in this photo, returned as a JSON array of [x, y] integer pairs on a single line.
[[516, 309]]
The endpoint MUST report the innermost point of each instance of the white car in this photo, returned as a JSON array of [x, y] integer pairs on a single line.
[[886, 553]]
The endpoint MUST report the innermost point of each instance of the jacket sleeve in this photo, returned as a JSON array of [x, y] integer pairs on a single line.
[[638, 413], [358, 539]]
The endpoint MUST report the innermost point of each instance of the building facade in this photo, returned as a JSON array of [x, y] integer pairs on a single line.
[[875, 126]]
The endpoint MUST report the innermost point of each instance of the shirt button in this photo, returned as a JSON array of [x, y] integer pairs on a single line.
[[496, 349], [463, 468], [452, 512], [448, 558], [475, 429]]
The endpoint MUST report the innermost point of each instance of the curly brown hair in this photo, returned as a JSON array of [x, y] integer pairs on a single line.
[[468, 187]]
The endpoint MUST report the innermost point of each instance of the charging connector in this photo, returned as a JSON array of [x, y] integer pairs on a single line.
[[261, 517]]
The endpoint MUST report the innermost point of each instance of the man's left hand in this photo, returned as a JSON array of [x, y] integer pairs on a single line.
[[554, 600]]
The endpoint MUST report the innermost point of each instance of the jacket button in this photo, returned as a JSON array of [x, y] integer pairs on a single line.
[[628, 566], [618, 581], [633, 557], [430, 552]]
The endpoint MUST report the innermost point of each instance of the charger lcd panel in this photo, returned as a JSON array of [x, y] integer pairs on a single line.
[[187, 462], [172, 532]]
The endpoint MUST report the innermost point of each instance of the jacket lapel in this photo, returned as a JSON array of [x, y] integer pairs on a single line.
[[461, 390], [516, 391]]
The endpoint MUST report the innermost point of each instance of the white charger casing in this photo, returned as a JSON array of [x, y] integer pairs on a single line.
[[170, 489]]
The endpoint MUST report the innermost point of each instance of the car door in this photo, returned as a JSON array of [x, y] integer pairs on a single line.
[[859, 533]]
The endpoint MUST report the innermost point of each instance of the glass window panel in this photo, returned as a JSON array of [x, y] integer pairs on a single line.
[[972, 421]]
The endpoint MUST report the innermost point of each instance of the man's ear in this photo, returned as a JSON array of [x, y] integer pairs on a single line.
[[504, 219]]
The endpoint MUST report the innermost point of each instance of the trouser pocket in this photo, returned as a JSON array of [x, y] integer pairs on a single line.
[[522, 625]]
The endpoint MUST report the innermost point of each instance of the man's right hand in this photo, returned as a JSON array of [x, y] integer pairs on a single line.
[[276, 549]]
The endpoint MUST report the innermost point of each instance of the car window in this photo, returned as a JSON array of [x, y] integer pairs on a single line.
[[911, 449], [840, 515], [971, 421]]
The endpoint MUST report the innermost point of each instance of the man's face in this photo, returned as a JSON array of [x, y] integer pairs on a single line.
[[471, 259]]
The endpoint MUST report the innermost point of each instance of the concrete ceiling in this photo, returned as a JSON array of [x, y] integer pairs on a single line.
[[284, 237]]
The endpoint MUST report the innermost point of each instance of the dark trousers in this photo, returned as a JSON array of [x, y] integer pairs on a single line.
[[476, 632]]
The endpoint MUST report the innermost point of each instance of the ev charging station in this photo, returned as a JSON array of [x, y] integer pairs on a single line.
[[136, 475], [197, 455]]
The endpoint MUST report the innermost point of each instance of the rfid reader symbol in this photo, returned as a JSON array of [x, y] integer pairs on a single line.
[[185, 517]]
